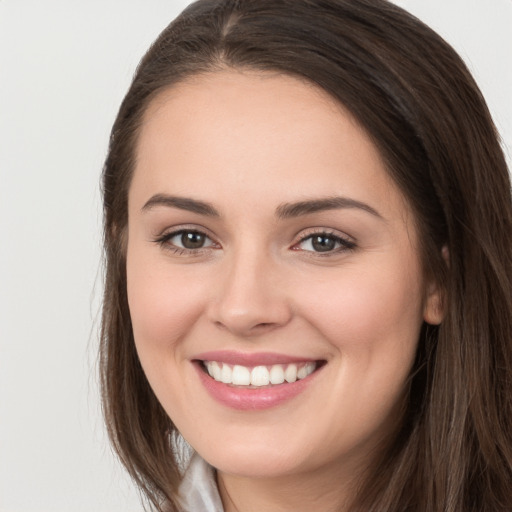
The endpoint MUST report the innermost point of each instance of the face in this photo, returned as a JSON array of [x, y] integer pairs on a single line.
[[274, 281]]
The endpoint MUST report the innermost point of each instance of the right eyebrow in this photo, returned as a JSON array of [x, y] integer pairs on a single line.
[[182, 203]]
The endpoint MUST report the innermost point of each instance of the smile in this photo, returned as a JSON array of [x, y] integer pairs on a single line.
[[255, 381], [258, 376]]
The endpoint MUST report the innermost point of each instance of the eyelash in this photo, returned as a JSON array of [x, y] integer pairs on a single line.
[[164, 242], [345, 244]]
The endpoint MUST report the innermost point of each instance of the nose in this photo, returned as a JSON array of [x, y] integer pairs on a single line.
[[250, 298]]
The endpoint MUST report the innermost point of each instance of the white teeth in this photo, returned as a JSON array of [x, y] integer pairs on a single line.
[[226, 374], [241, 376], [276, 374], [290, 374], [258, 376], [216, 371], [305, 370]]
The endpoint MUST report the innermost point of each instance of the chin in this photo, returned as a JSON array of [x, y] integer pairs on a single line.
[[255, 465]]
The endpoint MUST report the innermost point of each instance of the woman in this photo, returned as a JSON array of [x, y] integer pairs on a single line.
[[308, 245]]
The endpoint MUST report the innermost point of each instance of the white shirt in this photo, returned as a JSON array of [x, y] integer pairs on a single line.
[[198, 489]]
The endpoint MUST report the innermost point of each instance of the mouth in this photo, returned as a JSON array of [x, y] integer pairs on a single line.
[[261, 376], [256, 381]]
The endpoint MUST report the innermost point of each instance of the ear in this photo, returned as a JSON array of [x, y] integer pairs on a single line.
[[434, 308]]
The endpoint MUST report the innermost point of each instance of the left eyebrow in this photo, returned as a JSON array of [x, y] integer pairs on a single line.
[[290, 210]]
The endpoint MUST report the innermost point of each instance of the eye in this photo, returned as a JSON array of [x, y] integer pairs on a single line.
[[190, 240], [325, 243], [185, 240]]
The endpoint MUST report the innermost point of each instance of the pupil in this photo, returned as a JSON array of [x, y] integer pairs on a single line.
[[192, 240], [323, 243]]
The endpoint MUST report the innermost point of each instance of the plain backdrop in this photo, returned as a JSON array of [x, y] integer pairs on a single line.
[[64, 68]]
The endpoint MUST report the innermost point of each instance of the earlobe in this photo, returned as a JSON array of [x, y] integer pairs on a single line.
[[434, 310]]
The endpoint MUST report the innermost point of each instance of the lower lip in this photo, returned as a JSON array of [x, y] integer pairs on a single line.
[[253, 398]]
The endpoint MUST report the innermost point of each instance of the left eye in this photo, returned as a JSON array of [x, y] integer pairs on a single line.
[[325, 242]]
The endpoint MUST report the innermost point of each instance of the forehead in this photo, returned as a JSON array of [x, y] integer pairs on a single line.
[[264, 135], [232, 112]]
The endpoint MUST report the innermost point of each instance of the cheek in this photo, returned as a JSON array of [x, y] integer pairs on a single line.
[[164, 302], [372, 320], [368, 311]]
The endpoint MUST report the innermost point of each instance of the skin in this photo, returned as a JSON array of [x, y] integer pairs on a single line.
[[247, 143]]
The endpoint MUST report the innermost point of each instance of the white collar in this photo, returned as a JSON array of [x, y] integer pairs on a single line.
[[198, 489]]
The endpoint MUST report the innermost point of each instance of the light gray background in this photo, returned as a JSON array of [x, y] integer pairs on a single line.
[[64, 67]]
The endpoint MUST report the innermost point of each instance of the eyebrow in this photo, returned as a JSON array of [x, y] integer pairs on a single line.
[[182, 203], [283, 211], [290, 210]]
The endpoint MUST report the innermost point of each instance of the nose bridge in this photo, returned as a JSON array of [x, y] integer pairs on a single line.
[[248, 299]]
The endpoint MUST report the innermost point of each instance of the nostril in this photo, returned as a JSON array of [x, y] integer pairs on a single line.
[[263, 325], [260, 327], [250, 316]]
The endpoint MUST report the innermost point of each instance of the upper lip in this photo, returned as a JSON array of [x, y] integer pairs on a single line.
[[250, 359]]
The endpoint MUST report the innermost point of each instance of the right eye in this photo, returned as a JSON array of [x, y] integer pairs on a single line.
[[185, 241]]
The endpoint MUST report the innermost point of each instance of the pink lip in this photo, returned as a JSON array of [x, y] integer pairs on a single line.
[[248, 359], [245, 399]]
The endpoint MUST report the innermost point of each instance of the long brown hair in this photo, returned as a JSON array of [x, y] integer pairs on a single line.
[[419, 104]]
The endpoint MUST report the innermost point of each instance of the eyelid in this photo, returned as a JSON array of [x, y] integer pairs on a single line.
[[197, 228], [163, 239], [347, 242]]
